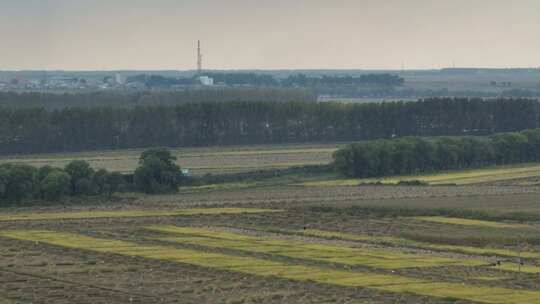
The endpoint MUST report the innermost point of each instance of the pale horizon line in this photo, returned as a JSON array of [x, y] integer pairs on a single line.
[[277, 69]]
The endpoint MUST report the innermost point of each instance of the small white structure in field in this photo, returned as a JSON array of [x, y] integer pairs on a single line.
[[206, 81], [186, 172]]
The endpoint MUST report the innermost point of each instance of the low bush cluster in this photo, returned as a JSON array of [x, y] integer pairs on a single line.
[[22, 182], [412, 155], [157, 173]]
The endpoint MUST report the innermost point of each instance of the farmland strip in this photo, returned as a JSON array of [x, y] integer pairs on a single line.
[[468, 222], [254, 266], [303, 250], [405, 242], [120, 214]]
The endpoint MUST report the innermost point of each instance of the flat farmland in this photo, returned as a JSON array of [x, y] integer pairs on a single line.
[[279, 244], [521, 175], [200, 160]]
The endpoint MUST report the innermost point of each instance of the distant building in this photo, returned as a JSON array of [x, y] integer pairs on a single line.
[[119, 79], [206, 81]]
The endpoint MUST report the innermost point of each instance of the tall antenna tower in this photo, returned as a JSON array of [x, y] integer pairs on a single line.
[[199, 57]]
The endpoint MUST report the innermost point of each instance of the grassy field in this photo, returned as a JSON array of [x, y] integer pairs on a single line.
[[199, 160]]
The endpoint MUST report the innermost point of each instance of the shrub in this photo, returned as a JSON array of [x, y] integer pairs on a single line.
[[412, 183]]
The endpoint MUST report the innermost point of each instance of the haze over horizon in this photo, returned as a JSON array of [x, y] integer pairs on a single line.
[[276, 34]]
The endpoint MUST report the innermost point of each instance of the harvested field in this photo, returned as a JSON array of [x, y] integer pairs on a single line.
[[491, 175], [369, 257], [119, 214], [391, 283], [414, 244], [5, 301], [279, 244], [198, 160]]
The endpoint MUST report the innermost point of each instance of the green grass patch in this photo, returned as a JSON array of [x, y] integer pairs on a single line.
[[261, 267], [468, 222]]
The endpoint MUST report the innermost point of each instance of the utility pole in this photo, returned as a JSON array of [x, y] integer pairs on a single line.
[[199, 58]]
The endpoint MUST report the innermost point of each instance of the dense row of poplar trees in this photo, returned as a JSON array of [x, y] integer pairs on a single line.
[[129, 99], [412, 155], [266, 80], [33, 130]]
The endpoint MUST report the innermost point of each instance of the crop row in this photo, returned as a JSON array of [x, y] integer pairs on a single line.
[[397, 241], [370, 257]]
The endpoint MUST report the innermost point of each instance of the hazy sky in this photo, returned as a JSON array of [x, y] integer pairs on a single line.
[[268, 34]]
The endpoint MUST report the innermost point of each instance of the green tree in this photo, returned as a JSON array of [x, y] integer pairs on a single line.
[[157, 172], [4, 179], [81, 177], [107, 183], [510, 147], [55, 185], [21, 182], [100, 180], [44, 171], [116, 182]]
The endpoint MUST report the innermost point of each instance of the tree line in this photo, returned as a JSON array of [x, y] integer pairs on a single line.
[[157, 173], [265, 80], [36, 130], [412, 155], [239, 79], [130, 99], [368, 79]]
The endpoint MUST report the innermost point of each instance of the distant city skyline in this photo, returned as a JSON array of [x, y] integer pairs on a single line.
[[268, 34]]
